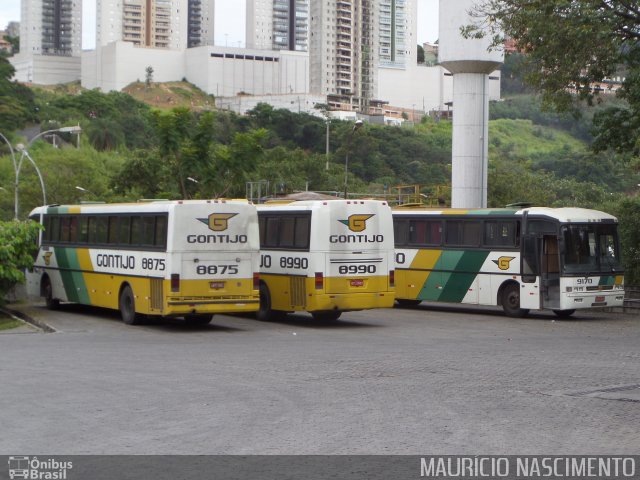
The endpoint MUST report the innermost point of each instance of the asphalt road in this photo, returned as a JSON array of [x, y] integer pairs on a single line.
[[414, 381]]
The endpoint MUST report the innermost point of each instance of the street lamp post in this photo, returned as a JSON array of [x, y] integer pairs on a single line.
[[17, 164], [356, 126], [25, 153], [328, 122]]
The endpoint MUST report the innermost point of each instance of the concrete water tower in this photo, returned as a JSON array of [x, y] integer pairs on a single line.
[[470, 62]]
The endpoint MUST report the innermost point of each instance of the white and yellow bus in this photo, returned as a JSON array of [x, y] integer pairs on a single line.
[[325, 257], [188, 259], [522, 259]]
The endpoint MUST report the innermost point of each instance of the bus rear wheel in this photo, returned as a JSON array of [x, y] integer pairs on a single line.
[[265, 313], [47, 290], [198, 320], [511, 301], [127, 306], [564, 313], [331, 316]]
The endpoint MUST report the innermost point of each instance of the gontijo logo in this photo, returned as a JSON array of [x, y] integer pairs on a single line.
[[218, 222], [503, 263], [356, 223]]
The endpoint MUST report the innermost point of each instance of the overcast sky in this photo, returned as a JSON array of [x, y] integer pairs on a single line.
[[230, 20]]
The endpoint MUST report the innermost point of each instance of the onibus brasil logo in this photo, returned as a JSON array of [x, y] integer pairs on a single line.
[[218, 222], [36, 469], [357, 223]]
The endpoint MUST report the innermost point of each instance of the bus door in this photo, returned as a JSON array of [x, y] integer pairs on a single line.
[[550, 272], [530, 287]]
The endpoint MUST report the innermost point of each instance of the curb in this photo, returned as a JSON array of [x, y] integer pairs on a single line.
[[30, 320]]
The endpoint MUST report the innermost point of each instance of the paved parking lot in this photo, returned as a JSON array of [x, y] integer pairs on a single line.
[[416, 381]]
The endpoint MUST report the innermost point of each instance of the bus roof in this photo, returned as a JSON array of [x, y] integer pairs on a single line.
[[150, 206], [562, 214], [306, 204]]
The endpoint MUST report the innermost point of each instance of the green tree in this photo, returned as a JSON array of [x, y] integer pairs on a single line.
[[420, 58], [17, 249], [17, 106], [574, 44]]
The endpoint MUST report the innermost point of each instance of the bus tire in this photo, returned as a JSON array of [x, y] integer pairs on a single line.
[[407, 302], [511, 301], [264, 314], [47, 293], [564, 313], [198, 320], [331, 316], [127, 306]]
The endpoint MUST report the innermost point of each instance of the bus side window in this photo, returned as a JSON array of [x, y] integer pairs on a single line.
[[83, 230], [136, 230], [124, 230], [113, 229], [302, 233], [400, 231], [148, 230], [73, 229], [271, 233], [435, 229], [102, 226], [161, 231], [64, 229], [287, 229]]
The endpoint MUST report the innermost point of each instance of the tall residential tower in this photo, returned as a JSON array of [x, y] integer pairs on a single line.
[[170, 24], [278, 25], [343, 50], [51, 27]]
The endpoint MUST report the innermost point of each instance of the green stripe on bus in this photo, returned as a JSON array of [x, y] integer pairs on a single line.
[[444, 284], [456, 285], [72, 279]]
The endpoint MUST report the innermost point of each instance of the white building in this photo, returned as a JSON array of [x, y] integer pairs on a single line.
[[278, 24], [221, 71], [50, 41]]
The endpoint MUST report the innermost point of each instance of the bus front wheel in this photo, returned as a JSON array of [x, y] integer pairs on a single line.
[[127, 305], [47, 290], [511, 301], [564, 313]]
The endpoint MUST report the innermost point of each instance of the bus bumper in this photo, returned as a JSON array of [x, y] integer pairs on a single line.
[[185, 306], [349, 302]]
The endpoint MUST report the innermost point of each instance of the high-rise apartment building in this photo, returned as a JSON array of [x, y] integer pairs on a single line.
[[51, 28], [171, 24], [398, 31], [343, 50], [278, 24]]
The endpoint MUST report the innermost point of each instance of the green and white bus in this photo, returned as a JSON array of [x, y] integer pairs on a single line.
[[522, 259], [188, 259]]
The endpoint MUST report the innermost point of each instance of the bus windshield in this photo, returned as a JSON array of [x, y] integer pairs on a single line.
[[590, 248]]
